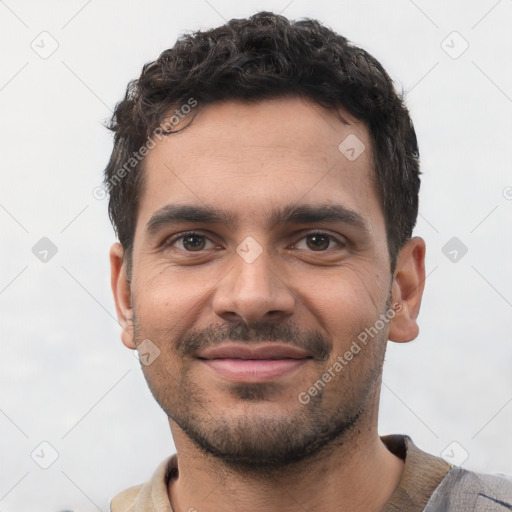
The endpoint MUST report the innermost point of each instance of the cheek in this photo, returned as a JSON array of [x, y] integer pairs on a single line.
[[168, 299], [345, 301]]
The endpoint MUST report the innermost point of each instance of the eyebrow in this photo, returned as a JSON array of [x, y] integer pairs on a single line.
[[291, 214], [310, 214], [176, 214]]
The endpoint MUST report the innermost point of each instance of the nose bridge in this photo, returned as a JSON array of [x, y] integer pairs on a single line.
[[252, 289], [253, 272]]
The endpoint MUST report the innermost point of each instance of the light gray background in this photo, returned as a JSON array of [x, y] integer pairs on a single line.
[[65, 377]]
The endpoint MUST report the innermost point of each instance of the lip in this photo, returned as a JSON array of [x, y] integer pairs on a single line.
[[261, 362], [261, 350]]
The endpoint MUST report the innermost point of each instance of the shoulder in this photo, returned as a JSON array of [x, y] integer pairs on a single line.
[[150, 496], [125, 501], [433, 485], [463, 490]]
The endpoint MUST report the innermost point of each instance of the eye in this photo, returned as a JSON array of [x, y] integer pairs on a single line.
[[317, 242], [190, 242]]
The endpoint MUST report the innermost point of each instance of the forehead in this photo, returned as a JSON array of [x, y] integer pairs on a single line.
[[253, 156]]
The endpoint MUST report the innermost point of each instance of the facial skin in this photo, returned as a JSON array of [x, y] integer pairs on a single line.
[[300, 291]]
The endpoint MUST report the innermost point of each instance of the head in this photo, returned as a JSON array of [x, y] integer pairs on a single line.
[[264, 187]]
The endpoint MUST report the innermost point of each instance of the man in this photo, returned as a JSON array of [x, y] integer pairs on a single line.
[[264, 187]]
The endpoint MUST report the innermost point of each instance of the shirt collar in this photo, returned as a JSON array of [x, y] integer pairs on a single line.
[[421, 476]]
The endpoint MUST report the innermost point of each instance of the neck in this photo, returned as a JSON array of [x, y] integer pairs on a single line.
[[356, 473]]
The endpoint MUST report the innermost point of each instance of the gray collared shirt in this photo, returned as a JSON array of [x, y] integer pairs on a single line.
[[428, 484]]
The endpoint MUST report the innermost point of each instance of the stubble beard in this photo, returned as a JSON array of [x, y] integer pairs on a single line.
[[262, 445]]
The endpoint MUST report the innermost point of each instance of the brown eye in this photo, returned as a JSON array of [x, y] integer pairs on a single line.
[[190, 245], [318, 242], [193, 242]]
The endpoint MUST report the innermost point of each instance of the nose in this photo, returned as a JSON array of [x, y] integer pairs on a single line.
[[253, 291]]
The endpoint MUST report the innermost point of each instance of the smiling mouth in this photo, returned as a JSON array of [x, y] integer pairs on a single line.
[[253, 370], [261, 362]]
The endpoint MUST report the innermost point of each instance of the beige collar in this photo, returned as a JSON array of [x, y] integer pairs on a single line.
[[422, 474]]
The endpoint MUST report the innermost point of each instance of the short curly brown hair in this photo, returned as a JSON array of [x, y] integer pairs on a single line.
[[262, 57]]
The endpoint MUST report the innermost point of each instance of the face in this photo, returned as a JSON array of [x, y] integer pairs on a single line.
[[259, 264]]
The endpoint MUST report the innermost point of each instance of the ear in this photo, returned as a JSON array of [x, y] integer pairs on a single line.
[[407, 290], [122, 294]]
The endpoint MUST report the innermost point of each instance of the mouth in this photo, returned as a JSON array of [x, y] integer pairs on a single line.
[[261, 362]]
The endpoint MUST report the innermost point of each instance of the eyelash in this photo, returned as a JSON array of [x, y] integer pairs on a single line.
[[172, 240], [180, 236], [339, 243]]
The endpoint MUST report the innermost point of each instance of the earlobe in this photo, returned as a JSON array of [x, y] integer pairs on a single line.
[[407, 291], [122, 294]]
